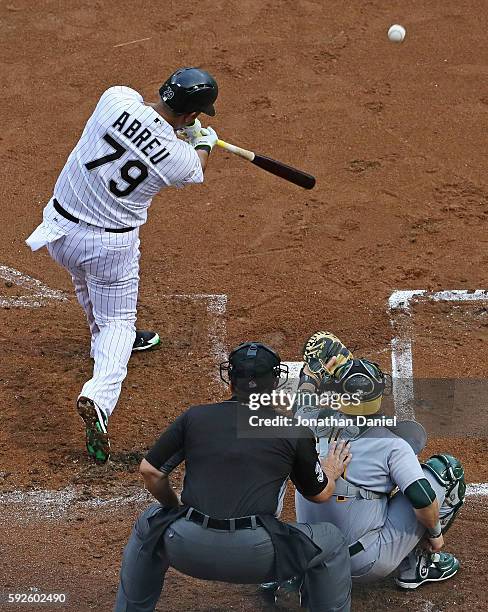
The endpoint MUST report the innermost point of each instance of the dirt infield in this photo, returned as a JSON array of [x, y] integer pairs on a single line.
[[396, 136]]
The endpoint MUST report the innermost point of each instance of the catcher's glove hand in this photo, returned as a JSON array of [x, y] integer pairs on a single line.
[[319, 350]]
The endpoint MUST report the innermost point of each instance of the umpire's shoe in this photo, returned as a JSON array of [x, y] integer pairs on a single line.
[[145, 340], [97, 442], [430, 567]]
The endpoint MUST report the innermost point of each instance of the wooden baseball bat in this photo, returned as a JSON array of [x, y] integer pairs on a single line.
[[303, 179]]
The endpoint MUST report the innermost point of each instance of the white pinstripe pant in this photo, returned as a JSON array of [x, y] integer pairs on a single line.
[[104, 267]]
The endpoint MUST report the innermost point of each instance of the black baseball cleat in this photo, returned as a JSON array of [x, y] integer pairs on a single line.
[[97, 440], [281, 594], [430, 567], [145, 340]]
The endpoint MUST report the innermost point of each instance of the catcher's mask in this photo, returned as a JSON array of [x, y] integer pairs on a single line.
[[253, 367], [190, 90], [361, 385]]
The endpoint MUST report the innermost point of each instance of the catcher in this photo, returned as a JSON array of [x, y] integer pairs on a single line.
[[393, 510]]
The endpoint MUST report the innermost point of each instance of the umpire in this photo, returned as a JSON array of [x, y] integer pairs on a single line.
[[225, 527]]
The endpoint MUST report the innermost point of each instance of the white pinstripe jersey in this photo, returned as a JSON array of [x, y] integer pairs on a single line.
[[126, 155]]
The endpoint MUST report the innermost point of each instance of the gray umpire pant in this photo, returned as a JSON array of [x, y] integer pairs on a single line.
[[245, 556]]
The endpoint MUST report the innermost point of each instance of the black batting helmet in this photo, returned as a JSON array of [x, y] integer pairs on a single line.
[[190, 90]]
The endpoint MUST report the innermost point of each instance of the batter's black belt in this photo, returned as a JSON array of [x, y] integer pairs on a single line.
[[232, 524], [64, 213]]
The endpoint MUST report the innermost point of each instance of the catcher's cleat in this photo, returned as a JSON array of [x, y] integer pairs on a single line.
[[281, 594], [97, 441], [268, 587], [145, 340], [430, 567], [267, 592]]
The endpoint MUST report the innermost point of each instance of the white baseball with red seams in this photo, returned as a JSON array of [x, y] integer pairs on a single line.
[[126, 154]]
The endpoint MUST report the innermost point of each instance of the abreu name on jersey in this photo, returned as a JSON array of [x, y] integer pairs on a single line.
[[142, 139]]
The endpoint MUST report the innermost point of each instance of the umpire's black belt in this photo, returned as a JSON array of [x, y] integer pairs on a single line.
[[232, 524], [64, 213]]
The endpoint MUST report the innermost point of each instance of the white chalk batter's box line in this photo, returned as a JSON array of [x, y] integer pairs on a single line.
[[216, 304], [57, 504], [39, 293], [54, 504], [401, 345]]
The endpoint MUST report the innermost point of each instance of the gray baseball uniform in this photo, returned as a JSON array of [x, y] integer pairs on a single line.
[[386, 527]]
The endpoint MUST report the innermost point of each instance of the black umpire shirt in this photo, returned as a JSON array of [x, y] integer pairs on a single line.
[[233, 469]]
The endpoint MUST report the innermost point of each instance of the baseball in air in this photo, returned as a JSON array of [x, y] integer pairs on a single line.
[[397, 33]]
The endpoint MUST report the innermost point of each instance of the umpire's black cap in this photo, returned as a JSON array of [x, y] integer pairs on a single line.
[[253, 367], [190, 90]]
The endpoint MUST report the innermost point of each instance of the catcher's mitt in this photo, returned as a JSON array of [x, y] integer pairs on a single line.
[[318, 351]]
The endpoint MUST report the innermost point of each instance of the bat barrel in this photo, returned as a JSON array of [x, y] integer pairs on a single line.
[[293, 175]]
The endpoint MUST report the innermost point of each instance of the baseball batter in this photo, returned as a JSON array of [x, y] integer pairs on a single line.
[[383, 529], [127, 153]]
